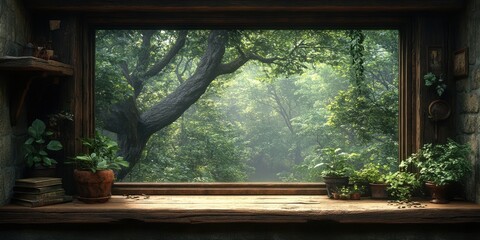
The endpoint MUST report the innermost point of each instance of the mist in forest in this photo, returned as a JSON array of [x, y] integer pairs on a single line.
[[268, 119]]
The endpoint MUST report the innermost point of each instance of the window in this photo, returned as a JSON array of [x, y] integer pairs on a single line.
[[274, 99]]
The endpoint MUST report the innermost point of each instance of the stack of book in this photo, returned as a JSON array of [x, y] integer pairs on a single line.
[[39, 191]]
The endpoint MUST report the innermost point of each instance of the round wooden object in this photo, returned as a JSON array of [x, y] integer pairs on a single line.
[[439, 110]]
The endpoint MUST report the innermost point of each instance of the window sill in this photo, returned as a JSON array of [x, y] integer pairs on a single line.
[[238, 209]]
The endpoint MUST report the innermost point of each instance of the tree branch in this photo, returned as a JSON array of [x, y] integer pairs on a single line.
[[160, 65], [143, 59], [232, 66], [126, 72], [173, 105]]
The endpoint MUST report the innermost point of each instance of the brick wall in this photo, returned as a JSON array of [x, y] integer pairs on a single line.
[[13, 35], [468, 92]]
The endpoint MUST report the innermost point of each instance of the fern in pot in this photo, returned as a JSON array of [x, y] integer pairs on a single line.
[[93, 172]]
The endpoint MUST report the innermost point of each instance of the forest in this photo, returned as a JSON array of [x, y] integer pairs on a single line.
[[246, 105]]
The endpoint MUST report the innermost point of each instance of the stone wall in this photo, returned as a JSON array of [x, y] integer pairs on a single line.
[[13, 36], [468, 91]]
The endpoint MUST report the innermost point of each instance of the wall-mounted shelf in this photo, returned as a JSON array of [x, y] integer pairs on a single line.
[[33, 64], [25, 70]]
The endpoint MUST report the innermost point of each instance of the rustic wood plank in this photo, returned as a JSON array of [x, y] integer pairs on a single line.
[[238, 209], [244, 5], [220, 188], [31, 64]]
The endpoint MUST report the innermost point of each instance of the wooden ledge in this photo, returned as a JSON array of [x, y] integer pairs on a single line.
[[238, 209], [253, 188], [33, 64]]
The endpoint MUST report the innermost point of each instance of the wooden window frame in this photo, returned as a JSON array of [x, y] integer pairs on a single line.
[[248, 20], [270, 188]]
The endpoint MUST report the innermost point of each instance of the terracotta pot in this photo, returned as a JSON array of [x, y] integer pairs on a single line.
[[379, 191], [333, 184], [41, 172], [355, 196], [439, 194], [94, 187]]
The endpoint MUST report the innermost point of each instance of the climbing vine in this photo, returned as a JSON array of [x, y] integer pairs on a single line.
[[357, 54]]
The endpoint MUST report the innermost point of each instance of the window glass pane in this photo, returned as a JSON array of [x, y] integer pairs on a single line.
[[246, 105]]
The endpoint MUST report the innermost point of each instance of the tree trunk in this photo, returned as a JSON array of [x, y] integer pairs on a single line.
[[134, 129]]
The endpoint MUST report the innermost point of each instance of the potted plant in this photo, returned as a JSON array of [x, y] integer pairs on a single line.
[[401, 185], [93, 172], [352, 192], [356, 192], [343, 193], [440, 166], [36, 149], [369, 175], [335, 168]]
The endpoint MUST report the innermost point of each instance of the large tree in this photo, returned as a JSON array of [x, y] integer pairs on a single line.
[[222, 52]]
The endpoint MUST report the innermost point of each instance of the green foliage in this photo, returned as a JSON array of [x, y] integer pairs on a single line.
[[334, 162], [345, 192], [441, 163], [402, 185], [103, 155], [367, 110], [194, 150], [438, 83], [357, 49], [263, 116], [37, 144], [371, 173]]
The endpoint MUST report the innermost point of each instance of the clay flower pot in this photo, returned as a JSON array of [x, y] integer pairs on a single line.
[[333, 184], [379, 191], [94, 187], [439, 194], [355, 196]]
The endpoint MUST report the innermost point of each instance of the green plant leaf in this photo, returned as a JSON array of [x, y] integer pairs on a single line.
[[29, 141], [54, 145], [37, 128]]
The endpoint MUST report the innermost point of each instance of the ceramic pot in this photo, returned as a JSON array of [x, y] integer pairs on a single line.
[[439, 194], [379, 191], [355, 196], [333, 184], [94, 187]]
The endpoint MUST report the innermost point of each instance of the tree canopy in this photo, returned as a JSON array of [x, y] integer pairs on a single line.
[[245, 105]]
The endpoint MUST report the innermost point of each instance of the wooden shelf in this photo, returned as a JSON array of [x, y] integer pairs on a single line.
[[239, 209], [33, 64], [24, 70]]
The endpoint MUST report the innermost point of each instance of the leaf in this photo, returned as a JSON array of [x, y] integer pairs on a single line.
[[47, 161], [37, 128], [54, 145], [102, 165], [29, 141]]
